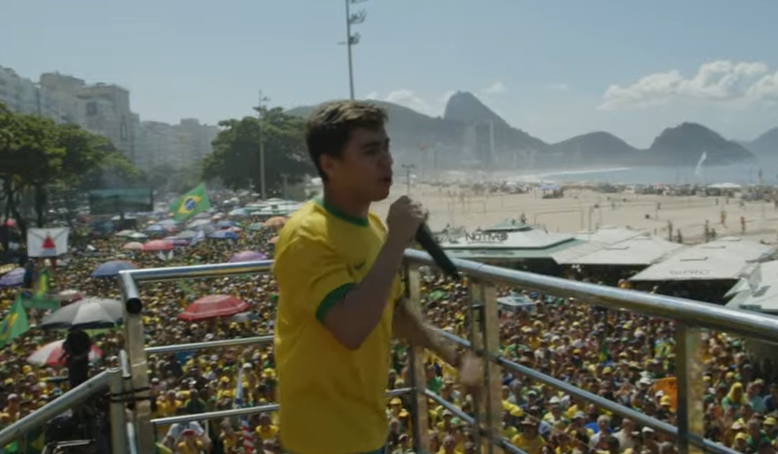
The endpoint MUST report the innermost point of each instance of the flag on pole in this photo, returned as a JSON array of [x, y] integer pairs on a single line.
[[14, 324], [193, 202], [245, 429]]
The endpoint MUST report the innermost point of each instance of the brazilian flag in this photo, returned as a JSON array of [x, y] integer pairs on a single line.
[[193, 202], [14, 324]]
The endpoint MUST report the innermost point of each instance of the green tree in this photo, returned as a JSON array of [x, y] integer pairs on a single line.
[[30, 158], [236, 153]]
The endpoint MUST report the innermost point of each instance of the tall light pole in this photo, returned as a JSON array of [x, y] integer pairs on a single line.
[[261, 116], [352, 40]]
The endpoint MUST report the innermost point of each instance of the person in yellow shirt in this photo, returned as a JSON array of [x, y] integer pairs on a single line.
[[189, 444], [265, 430], [339, 292], [528, 440]]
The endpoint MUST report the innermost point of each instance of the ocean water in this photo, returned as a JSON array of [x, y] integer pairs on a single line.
[[739, 174]]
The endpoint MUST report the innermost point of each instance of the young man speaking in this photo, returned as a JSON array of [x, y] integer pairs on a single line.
[[340, 297]]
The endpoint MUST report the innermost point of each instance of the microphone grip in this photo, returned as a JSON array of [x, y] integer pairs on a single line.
[[428, 243]]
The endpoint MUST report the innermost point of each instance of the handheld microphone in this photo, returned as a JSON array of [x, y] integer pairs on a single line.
[[428, 243]]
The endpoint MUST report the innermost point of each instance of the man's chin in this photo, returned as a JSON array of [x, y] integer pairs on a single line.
[[380, 194]]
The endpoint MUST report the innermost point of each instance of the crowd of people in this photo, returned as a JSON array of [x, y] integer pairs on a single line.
[[618, 355]]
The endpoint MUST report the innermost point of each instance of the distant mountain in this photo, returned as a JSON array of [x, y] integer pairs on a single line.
[[597, 148], [470, 133], [766, 145], [684, 144]]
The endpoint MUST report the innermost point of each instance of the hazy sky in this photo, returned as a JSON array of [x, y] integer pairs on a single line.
[[552, 68]]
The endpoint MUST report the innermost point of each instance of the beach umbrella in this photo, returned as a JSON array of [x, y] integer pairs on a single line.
[[112, 268], [176, 241], [213, 306], [88, 313], [133, 246], [157, 246], [240, 212], [137, 236], [51, 354], [7, 268], [69, 296], [125, 233], [186, 234], [15, 278], [223, 235], [156, 228], [225, 224], [244, 317], [247, 256], [256, 226], [276, 221]]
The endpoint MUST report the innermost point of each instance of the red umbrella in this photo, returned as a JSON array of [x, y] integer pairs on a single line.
[[213, 306], [158, 245], [51, 354]]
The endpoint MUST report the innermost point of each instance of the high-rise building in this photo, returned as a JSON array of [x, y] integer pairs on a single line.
[[104, 109], [100, 108]]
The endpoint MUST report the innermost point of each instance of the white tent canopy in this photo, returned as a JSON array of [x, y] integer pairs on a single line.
[[595, 241], [759, 291], [726, 258], [642, 250]]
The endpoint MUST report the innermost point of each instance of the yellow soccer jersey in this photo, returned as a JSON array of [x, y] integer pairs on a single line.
[[331, 399]]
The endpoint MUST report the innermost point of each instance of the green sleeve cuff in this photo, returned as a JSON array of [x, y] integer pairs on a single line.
[[332, 299]]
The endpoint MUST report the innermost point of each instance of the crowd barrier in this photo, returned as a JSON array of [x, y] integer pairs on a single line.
[[691, 318]]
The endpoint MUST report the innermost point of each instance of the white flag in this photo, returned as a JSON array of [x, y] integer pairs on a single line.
[[47, 242]]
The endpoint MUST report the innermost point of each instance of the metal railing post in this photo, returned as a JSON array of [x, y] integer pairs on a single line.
[[690, 387], [117, 412], [418, 376], [136, 355], [475, 289], [492, 373]]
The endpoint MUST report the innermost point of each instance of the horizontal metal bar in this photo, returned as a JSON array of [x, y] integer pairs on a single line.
[[159, 349], [455, 411], [70, 399], [198, 271], [640, 419], [694, 313], [246, 411]]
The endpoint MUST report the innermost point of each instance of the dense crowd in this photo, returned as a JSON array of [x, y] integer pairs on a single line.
[[614, 354]]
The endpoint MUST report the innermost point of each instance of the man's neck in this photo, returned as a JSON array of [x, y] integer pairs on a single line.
[[346, 204]]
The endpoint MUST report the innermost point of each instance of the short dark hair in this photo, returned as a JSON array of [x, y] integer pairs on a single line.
[[329, 127]]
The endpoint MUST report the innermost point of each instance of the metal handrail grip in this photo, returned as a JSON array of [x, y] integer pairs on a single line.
[[245, 411], [694, 313], [175, 348], [70, 399], [214, 270]]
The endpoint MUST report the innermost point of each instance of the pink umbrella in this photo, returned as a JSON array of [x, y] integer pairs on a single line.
[[133, 246], [157, 246], [51, 354], [247, 256], [213, 306]]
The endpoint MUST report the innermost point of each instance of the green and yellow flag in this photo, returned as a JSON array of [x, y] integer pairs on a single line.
[[14, 324], [193, 202]]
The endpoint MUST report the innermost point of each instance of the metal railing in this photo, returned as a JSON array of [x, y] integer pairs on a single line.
[[690, 316]]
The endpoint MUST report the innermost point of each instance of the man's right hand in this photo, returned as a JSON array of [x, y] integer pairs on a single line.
[[405, 217]]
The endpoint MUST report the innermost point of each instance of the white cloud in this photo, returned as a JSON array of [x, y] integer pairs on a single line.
[[495, 89], [409, 99], [720, 81], [372, 95]]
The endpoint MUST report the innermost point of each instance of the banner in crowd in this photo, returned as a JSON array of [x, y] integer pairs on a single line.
[[669, 387], [44, 243]]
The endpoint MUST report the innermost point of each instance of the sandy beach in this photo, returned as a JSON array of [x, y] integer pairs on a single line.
[[582, 210]]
